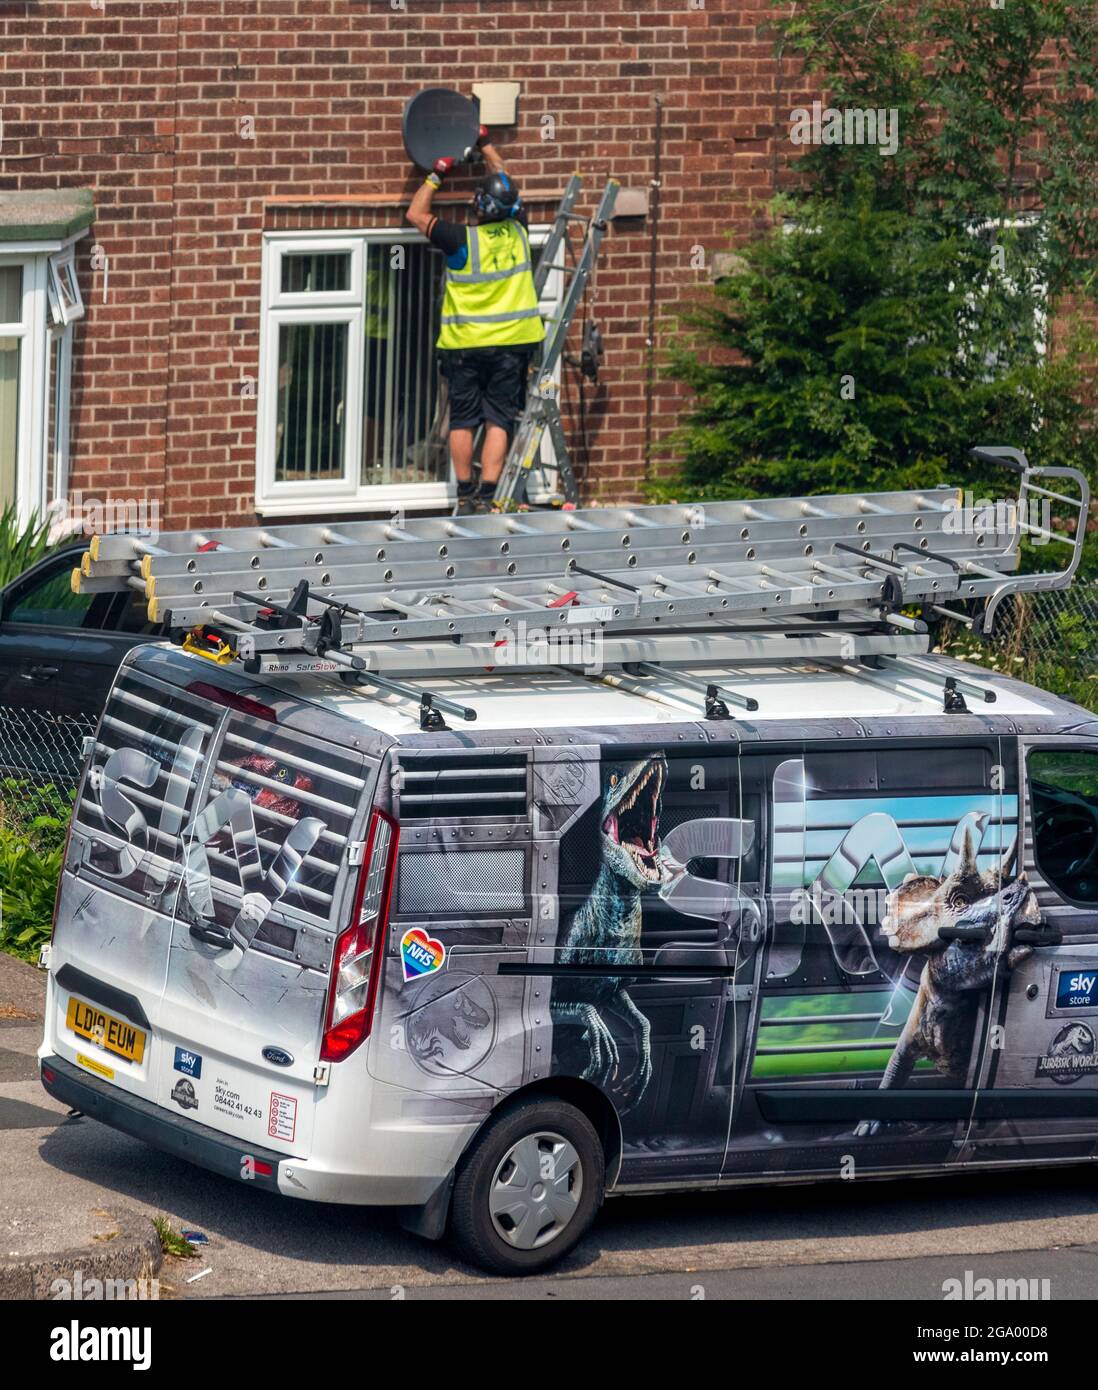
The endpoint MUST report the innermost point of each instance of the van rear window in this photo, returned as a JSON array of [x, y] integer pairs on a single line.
[[182, 791]]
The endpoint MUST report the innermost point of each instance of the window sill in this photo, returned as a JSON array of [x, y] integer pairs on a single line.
[[407, 496]]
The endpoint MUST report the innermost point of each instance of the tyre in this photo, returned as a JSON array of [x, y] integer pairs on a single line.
[[528, 1189]]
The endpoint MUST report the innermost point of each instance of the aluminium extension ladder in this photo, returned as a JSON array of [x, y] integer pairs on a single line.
[[812, 578], [541, 412]]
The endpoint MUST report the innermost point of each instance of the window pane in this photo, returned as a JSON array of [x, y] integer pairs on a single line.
[[400, 437], [11, 294], [312, 388], [1063, 791], [316, 272], [130, 613], [53, 366], [9, 416], [51, 601]]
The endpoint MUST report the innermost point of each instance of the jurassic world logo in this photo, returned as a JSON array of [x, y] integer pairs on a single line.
[[1071, 1054]]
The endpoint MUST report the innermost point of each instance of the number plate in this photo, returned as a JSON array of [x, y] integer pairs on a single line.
[[113, 1034]]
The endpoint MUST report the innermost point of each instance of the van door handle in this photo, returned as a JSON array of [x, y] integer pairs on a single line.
[[1042, 935], [40, 673], [212, 936], [970, 934]]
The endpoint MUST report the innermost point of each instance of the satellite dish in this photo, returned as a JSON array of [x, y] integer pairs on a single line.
[[439, 124]]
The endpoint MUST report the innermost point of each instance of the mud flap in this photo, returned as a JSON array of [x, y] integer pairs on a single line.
[[430, 1219]]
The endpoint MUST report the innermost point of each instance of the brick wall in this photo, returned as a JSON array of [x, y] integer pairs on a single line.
[[144, 103]]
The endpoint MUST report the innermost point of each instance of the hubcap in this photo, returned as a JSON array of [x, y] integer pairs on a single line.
[[536, 1190]]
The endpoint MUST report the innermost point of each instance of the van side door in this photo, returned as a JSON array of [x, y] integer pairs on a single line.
[[865, 1046]]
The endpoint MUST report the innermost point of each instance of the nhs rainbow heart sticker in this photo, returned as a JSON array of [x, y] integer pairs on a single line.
[[420, 954]]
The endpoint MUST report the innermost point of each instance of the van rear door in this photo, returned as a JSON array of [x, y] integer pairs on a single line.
[[264, 874], [117, 895], [217, 824]]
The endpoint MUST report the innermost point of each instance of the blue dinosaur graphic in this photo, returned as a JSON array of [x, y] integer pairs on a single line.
[[605, 930]]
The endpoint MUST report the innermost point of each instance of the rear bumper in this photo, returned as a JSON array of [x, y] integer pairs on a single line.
[[172, 1133], [409, 1166]]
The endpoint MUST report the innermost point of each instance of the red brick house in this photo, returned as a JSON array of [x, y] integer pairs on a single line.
[[248, 178]]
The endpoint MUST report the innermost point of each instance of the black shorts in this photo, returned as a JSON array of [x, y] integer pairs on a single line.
[[487, 385]]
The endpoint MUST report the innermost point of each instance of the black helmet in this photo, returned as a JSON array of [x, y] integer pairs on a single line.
[[497, 198]]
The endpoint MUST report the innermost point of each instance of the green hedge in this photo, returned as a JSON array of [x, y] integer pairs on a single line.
[[33, 824]]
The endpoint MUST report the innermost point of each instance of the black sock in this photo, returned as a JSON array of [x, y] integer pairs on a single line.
[[467, 489]]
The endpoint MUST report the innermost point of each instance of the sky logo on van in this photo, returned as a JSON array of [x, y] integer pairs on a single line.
[[420, 954], [189, 1063], [1077, 989]]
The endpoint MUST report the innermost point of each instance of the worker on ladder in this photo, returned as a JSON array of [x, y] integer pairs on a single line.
[[491, 324]]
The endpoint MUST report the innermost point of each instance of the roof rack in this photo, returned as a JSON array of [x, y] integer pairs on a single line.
[[754, 580]]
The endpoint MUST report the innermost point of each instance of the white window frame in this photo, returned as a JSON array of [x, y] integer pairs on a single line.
[[345, 493], [30, 436], [62, 273], [35, 497]]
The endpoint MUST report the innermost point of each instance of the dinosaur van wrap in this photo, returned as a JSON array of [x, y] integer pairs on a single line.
[[359, 964]]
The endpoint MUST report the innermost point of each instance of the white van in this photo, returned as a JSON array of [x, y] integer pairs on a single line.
[[604, 939]]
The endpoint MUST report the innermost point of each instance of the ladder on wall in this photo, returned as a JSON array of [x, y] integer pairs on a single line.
[[541, 413], [822, 578]]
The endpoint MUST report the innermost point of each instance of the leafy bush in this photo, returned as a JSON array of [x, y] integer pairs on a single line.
[[20, 545], [843, 353], [891, 316], [33, 824]]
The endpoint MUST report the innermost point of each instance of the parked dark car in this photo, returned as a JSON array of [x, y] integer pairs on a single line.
[[59, 652]]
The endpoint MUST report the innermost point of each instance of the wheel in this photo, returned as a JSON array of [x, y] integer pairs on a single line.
[[529, 1187]]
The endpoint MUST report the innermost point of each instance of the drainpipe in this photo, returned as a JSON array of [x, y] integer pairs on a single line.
[[650, 342]]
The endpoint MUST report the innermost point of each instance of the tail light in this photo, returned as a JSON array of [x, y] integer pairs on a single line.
[[65, 849], [356, 962]]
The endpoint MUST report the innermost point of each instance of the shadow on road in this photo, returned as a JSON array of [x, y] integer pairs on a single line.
[[335, 1240]]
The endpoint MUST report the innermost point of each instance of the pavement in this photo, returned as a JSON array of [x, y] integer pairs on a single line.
[[1061, 1275], [892, 1237], [43, 1240]]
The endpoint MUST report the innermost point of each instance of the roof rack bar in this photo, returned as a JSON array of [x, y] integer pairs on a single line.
[[609, 580], [914, 663], [968, 566], [716, 696], [928, 554], [616, 682], [431, 706], [870, 674], [875, 561], [954, 617], [901, 620]]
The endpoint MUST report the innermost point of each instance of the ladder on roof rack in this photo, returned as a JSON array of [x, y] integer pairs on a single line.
[[778, 579]]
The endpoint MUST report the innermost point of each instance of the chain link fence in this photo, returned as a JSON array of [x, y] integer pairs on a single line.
[[42, 748], [1050, 640]]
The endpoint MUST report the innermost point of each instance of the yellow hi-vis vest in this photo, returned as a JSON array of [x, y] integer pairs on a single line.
[[378, 279], [492, 302]]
